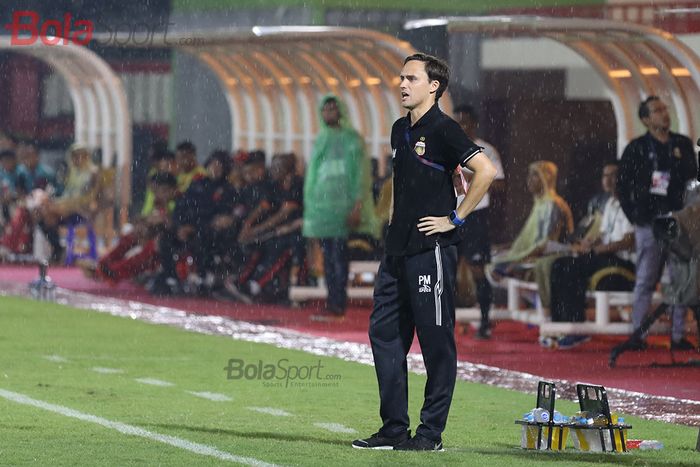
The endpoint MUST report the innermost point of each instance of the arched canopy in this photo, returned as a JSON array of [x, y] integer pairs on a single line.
[[273, 79], [634, 61], [100, 106]]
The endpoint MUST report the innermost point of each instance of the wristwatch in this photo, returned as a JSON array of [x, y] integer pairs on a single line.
[[455, 219]]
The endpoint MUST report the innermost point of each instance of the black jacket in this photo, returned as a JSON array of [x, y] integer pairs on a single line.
[[203, 200], [635, 174]]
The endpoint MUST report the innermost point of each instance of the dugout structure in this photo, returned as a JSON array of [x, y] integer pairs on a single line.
[[634, 61], [102, 119]]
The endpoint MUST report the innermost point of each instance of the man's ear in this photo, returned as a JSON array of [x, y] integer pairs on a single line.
[[434, 86]]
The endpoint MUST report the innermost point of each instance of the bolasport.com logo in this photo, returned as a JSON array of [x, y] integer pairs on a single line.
[[28, 28], [281, 373]]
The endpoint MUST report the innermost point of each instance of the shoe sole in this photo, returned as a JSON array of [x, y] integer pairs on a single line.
[[378, 448], [421, 450]]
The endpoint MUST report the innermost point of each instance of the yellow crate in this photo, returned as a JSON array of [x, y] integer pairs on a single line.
[[588, 439], [528, 438]]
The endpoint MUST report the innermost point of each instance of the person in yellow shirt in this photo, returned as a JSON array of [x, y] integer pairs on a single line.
[[188, 169]]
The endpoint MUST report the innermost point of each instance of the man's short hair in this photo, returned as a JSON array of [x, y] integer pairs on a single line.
[[643, 111], [164, 179], [163, 155], [436, 69], [256, 157], [186, 146], [223, 158], [467, 109]]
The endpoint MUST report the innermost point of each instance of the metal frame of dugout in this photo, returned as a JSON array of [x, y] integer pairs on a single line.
[[634, 61], [273, 78], [100, 105]]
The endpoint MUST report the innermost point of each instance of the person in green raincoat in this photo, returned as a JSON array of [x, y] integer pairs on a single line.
[[337, 196]]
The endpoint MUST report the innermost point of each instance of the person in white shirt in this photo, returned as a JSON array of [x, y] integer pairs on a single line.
[[475, 248], [600, 264]]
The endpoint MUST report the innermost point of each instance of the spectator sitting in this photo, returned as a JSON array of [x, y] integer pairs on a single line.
[[38, 175], [15, 225], [75, 203], [550, 222], [12, 178], [137, 251], [188, 169], [604, 263], [199, 215], [275, 226], [162, 161]]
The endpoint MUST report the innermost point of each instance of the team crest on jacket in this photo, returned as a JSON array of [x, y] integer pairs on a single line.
[[419, 148]]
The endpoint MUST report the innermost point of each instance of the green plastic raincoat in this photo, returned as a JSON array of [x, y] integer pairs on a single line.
[[337, 177]]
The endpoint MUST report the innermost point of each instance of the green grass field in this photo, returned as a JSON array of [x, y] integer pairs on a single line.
[[50, 353]]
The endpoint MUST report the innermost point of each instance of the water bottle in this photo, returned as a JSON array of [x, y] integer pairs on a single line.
[[541, 415], [644, 444], [651, 444]]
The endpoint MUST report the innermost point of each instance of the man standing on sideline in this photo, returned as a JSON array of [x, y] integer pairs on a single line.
[[414, 289], [337, 196], [653, 173], [475, 248]]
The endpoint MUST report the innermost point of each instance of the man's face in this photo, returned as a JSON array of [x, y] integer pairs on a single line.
[[253, 173], [659, 118], [609, 179], [278, 168], [415, 86], [186, 160], [163, 193], [80, 158], [330, 113], [166, 165], [215, 170], [534, 183]]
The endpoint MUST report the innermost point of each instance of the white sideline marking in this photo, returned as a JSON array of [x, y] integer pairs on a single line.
[[270, 411], [107, 371], [212, 396], [56, 358], [335, 427], [181, 443], [154, 382]]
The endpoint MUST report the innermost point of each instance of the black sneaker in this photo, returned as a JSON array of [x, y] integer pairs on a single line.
[[376, 441], [683, 344], [419, 443]]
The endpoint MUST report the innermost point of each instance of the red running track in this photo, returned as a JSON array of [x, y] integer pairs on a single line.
[[513, 345]]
